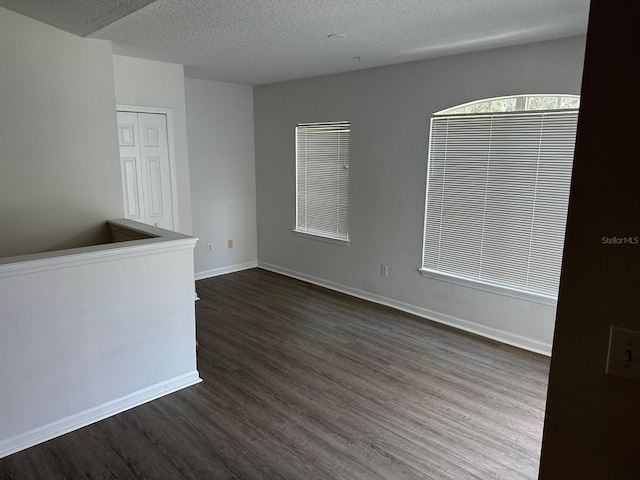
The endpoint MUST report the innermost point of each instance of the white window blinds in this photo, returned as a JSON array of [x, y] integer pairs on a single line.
[[322, 179], [497, 197]]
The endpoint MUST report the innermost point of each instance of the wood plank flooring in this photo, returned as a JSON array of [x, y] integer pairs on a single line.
[[302, 383]]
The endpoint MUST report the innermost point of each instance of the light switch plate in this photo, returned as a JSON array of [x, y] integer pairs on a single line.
[[624, 353]]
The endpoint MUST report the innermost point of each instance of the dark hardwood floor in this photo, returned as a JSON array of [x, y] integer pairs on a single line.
[[303, 383]]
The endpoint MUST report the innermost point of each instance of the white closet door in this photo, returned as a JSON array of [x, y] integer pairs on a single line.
[[146, 173]]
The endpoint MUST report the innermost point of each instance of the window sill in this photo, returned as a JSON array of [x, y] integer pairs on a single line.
[[337, 241], [531, 297]]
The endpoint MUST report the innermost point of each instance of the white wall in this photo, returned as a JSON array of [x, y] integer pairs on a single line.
[[389, 110], [222, 167], [59, 167], [92, 331], [158, 84]]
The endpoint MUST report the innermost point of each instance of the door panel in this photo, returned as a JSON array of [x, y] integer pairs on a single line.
[[151, 136], [130, 187], [127, 135], [154, 181]]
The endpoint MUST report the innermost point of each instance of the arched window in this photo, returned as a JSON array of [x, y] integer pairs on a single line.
[[498, 179], [516, 103]]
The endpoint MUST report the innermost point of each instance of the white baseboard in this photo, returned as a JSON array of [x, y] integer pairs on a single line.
[[502, 336], [223, 270], [87, 417]]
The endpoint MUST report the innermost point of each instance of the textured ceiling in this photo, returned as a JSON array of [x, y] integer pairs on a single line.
[[257, 42], [80, 17]]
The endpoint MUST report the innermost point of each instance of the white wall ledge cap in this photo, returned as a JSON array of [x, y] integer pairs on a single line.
[[158, 240]]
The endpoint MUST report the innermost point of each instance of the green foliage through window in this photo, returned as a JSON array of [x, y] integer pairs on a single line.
[[516, 103]]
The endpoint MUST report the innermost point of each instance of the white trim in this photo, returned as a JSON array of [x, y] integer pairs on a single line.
[[92, 415], [168, 113], [160, 241], [487, 287], [322, 238], [502, 336], [224, 270], [88, 255]]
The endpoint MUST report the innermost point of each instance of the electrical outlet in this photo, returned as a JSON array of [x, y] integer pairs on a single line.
[[210, 247], [230, 244], [624, 353], [384, 270]]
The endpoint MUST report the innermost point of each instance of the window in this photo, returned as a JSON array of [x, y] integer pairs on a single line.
[[498, 183], [322, 180]]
